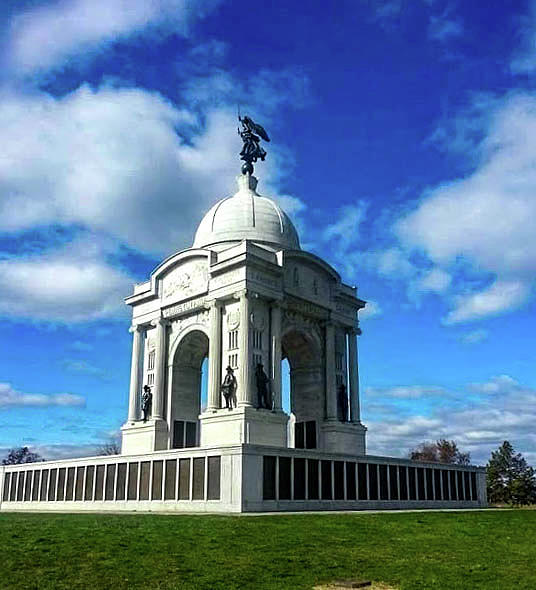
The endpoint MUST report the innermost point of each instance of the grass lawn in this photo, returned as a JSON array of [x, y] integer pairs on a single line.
[[408, 550]]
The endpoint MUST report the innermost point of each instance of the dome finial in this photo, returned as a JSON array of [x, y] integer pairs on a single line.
[[251, 150]]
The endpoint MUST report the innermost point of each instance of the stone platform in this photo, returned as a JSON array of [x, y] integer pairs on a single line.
[[239, 478]]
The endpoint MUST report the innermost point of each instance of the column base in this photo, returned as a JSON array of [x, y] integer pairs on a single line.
[[343, 437], [144, 437], [243, 425]]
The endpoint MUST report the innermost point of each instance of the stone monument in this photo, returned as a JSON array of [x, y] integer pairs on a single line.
[[246, 296], [243, 298]]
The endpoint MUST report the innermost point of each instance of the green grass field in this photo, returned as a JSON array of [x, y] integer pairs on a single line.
[[495, 549]]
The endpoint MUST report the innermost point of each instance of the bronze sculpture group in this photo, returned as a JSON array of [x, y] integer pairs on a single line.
[[264, 396]]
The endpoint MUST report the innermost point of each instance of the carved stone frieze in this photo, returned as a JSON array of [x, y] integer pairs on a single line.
[[186, 281]]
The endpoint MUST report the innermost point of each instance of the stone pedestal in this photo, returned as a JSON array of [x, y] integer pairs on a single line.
[[343, 437], [243, 425], [144, 437]]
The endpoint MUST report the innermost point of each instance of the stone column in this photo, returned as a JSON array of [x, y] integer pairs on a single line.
[[159, 371], [353, 372], [245, 395], [214, 357], [135, 370], [275, 373], [331, 387]]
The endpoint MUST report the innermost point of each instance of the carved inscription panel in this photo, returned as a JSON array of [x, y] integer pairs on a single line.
[[307, 282]]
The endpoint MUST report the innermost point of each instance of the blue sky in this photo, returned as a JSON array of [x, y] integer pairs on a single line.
[[403, 147]]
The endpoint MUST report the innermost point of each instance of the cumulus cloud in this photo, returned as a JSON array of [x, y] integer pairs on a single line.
[[45, 36], [406, 391], [84, 158], [71, 284], [487, 218], [496, 385], [503, 409], [10, 398]]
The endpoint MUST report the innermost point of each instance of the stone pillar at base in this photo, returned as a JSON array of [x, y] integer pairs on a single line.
[[343, 437], [144, 437], [244, 425]]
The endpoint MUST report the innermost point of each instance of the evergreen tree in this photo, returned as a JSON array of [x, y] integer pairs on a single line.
[[509, 479]]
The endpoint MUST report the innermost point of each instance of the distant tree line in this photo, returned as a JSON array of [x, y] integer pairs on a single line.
[[509, 478]]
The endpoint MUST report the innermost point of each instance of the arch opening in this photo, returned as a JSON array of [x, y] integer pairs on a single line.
[[188, 392], [302, 386]]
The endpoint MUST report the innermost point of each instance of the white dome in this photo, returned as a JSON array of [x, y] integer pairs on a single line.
[[247, 216]]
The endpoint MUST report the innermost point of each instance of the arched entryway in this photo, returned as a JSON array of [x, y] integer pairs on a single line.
[[186, 392], [303, 382]]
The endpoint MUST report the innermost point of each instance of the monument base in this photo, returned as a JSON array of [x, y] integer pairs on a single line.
[[243, 425], [144, 437], [343, 437]]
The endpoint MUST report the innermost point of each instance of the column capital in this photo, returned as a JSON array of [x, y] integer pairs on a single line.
[[160, 322], [245, 293], [214, 303], [136, 328], [354, 331]]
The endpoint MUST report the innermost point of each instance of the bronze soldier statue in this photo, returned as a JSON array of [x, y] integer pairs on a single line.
[[228, 389], [342, 399], [263, 394], [146, 402]]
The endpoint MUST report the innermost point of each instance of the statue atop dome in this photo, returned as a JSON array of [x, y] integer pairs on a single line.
[[251, 134]]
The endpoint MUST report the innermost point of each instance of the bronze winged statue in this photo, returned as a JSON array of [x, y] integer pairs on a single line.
[[251, 134]]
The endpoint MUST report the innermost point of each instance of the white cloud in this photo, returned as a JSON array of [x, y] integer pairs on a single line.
[[82, 367], [128, 167], [496, 299], [46, 36], [120, 161], [435, 281], [81, 346], [67, 285], [392, 263], [346, 229], [506, 410], [474, 336], [524, 60], [443, 28], [406, 391], [487, 218], [10, 398], [501, 384], [371, 310]]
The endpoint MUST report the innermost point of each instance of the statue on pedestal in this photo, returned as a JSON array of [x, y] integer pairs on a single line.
[[228, 389], [146, 402], [251, 134], [264, 399], [342, 403]]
